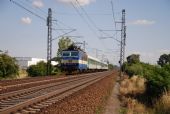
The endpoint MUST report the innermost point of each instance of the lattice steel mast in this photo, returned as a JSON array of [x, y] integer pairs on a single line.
[[123, 42], [49, 41]]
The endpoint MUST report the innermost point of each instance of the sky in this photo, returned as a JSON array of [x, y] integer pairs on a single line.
[[148, 27]]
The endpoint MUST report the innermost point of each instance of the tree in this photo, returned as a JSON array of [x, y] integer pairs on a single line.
[[164, 59], [134, 58], [8, 66], [39, 69], [63, 43], [110, 66]]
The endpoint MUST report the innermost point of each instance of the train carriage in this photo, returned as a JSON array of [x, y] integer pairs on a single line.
[[96, 64]]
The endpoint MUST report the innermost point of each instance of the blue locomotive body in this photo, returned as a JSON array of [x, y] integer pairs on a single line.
[[74, 60]]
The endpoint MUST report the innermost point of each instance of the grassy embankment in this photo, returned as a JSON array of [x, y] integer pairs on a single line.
[[134, 100]]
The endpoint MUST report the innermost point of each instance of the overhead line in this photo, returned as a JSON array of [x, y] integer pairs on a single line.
[[53, 21], [38, 8], [84, 19], [113, 13], [90, 20], [87, 15], [64, 34], [33, 13], [61, 21]]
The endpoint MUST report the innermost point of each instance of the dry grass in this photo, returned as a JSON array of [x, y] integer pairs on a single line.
[[134, 107], [163, 105], [132, 86], [22, 74], [136, 85]]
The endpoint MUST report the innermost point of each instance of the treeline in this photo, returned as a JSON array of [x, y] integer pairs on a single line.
[[8, 66], [157, 76], [10, 69], [40, 69]]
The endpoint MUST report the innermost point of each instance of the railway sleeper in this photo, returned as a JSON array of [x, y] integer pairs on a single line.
[[27, 111], [37, 107], [8, 103], [47, 103], [32, 109], [14, 101], [43, 105], [17, 113], [5, 105]]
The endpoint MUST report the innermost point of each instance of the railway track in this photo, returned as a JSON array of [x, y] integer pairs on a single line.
[[32, 100], [25, 80], [9, 85]]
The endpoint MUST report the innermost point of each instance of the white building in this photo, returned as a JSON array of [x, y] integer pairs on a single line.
[[25, 62]]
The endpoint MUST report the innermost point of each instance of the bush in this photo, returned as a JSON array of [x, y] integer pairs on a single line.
[[158, 81], [8, 66], [37, 70], [56, 71], [158, 78], [134, 69]]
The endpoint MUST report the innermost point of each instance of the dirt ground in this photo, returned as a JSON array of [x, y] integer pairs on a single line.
[[113, 103]]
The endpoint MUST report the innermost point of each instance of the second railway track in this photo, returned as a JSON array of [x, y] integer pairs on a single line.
[[32, 100]]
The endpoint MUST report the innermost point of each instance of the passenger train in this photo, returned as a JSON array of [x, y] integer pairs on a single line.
[[78, 60]]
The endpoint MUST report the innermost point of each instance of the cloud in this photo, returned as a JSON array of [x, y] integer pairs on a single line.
[[142, 22], [77, 2], [38, 3], [26, 20]]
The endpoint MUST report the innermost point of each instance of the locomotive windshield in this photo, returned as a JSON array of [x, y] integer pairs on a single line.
[[70, 53], [74, 53], [66, 53]]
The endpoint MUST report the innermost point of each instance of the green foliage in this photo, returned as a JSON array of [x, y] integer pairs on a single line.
[[110, 66], [158, 78], [134, 69], [158, 81], [63, 43], [164, 59], [134, 58], [123, 110], [56, 71], [39, 69], [8, 66]]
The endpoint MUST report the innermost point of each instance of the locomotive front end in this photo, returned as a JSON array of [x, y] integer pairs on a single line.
[[70, 60]]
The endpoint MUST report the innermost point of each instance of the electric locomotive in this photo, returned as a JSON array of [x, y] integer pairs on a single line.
[[74, 59]]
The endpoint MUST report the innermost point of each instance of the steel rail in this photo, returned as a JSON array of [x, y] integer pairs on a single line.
[[32, 89], [17, 82], [51, 95]]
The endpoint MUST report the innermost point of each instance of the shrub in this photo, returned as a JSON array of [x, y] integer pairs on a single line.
[[158, 81], [37, 70], [8, 66], [134, 69]]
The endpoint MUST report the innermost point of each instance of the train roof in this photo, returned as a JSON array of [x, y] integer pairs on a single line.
[[74, 50], [93, 58], [96, 59]]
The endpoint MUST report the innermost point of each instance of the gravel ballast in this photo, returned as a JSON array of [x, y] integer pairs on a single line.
[[90, 100]]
